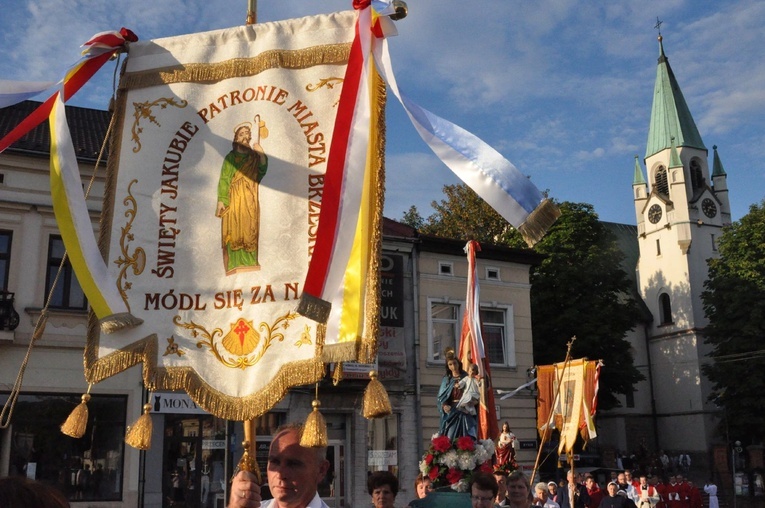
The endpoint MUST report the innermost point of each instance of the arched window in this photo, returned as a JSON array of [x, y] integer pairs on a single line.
[[697, 179], [662, 187], [665, 309]]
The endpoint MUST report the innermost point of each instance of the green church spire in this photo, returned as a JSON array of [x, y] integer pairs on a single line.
[[638, 178], [670, 116], [717, 167]]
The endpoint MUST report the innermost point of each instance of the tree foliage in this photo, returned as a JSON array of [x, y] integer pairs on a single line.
[[734, 302], [579, 289], [413, 218]]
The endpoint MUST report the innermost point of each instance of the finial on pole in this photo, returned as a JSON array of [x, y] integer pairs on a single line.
[[252, 12]]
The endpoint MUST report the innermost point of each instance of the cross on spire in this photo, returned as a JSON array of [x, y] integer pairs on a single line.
[[658, 24]]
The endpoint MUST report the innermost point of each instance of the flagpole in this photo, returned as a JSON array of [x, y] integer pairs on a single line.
[[252, 12], [548, 427]]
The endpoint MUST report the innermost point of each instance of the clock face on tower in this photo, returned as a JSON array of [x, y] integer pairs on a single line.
[[654, 214], [708, 207]]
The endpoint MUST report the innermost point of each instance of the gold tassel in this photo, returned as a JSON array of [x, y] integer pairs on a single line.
[[539, 221], [376, 403], [139, 435], [337, 375], [77, 422], [315, 429]]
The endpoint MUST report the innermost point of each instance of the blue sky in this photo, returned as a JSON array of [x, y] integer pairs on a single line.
[[562, 88]]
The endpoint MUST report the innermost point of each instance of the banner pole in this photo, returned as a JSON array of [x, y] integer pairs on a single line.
[[248, 461], [252, 12], [548, 429]]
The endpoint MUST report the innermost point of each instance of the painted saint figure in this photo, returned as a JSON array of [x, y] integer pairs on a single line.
[[238, 205]]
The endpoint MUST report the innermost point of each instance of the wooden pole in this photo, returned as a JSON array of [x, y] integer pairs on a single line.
[[252, 12], [548, 429]]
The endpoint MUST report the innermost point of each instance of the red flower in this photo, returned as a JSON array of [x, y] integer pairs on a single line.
[[433, 473], [361, 4], [453, 476], [465, 443], [429, 459], [442, 443], [486, 467]]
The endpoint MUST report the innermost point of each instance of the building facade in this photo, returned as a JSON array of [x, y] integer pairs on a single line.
[[680, 208], [193, 453]]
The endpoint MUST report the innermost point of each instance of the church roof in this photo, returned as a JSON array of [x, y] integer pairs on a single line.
[[670, 116], [638, 178]]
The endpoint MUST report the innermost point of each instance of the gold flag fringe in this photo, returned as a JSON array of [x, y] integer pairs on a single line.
[[315, 429], [139, 435], [77, 422], [376, 403], [337, 375], [116, 322], [539, 221]]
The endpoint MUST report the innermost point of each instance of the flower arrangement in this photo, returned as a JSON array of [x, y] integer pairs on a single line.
[[451, 463]]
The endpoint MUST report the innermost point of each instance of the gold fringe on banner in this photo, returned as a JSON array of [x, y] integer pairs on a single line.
[[376, 403], [539, 221], [315, 429], [77, 422], [118, 321], [326, 54], [139, 435], [337, 375]]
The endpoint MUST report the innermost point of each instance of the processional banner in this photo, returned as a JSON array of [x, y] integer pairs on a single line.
[[567, 401], [216, 183]]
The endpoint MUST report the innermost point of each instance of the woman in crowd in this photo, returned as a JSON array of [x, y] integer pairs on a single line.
[[422, 486], [519, 494], [21, 492], [383, 488]]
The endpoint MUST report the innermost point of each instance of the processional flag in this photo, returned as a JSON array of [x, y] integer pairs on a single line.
[[216, 183], [473, 350], [567, 401]]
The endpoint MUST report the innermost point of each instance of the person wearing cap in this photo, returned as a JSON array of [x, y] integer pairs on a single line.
[[552, 489], [612, 500]]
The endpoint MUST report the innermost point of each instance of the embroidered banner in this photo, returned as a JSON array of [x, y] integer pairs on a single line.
[[216, 179], [567, 400]]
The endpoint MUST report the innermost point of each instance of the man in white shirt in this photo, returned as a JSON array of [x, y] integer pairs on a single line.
[[294, 473]]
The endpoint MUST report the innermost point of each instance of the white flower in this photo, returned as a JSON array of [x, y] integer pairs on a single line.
[[450, 459], [466, 462], [424, 467]]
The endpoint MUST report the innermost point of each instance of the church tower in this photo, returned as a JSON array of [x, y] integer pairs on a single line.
[[680, 207]]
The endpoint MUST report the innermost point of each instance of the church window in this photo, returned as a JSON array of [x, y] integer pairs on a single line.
[[658, 247], [662, 186], [714, 243], [665, 309], [697, 179]]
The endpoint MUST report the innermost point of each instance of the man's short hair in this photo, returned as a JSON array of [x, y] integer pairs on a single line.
[[381, 478], [484, 481], [541, 486], [321, 452], [518, 476]]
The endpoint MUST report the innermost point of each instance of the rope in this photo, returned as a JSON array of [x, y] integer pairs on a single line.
[[7, 412]]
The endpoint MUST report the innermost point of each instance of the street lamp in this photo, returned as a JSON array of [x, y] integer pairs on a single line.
[[9, 318]]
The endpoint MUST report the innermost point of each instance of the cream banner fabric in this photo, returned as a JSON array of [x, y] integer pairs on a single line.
[[214, 193]]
